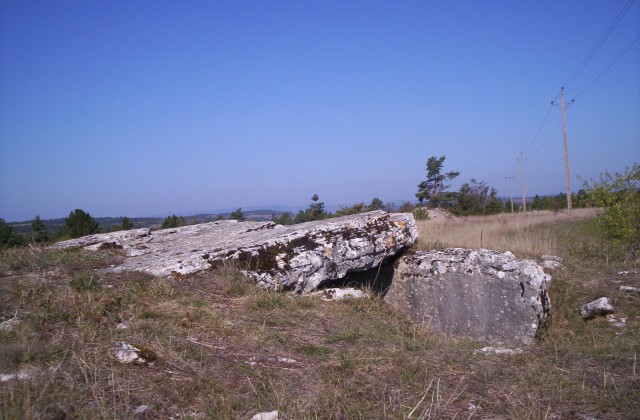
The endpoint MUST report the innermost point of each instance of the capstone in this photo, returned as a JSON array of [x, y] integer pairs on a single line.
[[298, 257]]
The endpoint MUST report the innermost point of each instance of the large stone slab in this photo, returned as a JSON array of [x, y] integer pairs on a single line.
[[298, 257], [479, 294]]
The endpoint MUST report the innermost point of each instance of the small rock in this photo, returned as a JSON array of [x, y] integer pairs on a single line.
[[122, 326], [22, 375], [272, 415], [630, 289], [333, 294], [141, 409], [551, 265], [551, 258], [286, 360], [499, 351], [626, 273], [9, 324], [127, 353], [598, 307], [617, 322], [6, 377]]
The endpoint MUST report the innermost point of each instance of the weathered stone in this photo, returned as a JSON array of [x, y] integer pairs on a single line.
[[335, 293], [298, 257], [630, 289], [598, 307], [115, 240], [271, 415], [478, 294], [499, 351], [128, 353], [551, 262], [9, 324], [617, 322], [627, 273]]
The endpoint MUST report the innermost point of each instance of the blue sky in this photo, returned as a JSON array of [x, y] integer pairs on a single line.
[[144, 107]]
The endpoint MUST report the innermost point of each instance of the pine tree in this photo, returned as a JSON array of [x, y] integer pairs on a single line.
[[432, 188], [237, 215], [80, 223], [126, 223], [39, 231]]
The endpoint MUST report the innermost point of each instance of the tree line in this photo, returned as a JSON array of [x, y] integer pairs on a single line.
[[619, 195]]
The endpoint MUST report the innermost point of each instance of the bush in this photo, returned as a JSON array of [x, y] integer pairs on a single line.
[[620, 199]]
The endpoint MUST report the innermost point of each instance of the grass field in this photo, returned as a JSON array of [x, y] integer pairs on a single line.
[[225, 349]]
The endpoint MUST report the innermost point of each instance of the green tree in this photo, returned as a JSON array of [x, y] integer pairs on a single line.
[[237, 215], [126, 223], [476, 197], [619, 197], [39, 234], [355, 209], [315, 211], [80, 223], [433, 188], [7, 238], [173, 221], [284, 219], [376, 204]]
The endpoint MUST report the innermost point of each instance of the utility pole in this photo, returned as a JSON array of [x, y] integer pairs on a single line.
[[509, 178], [524, 198], [564, 107]]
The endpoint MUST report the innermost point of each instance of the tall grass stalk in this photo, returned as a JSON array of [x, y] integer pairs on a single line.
[[521, 233]]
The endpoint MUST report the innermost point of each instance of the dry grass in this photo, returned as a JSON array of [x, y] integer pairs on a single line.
[[228, 350], [530, 233]]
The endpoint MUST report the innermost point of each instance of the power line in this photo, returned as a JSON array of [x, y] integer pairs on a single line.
[[601, 41], [539, 129], [608, 67]]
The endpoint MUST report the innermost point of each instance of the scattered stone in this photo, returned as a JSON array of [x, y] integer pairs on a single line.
[[498, 351], [9, 324], [333, 294], [254, 360], [127, 353], [551, 262], [617, 322], [598, 307], [630, 289], [298, 257], [23, 375], [122, 326], [478, 294], [626, 273], [141, 409], [551, 265], [272, 415], [6, 377]]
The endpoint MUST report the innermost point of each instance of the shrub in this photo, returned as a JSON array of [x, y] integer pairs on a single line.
[[620, 199]]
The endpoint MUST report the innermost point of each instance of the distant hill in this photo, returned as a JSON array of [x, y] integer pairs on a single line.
[[108, 223]]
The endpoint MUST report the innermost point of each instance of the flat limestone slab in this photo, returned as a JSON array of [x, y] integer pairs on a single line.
[[298, 257], [473, 293]]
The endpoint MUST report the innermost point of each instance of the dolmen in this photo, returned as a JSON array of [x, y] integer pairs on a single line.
[[296, 258]]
